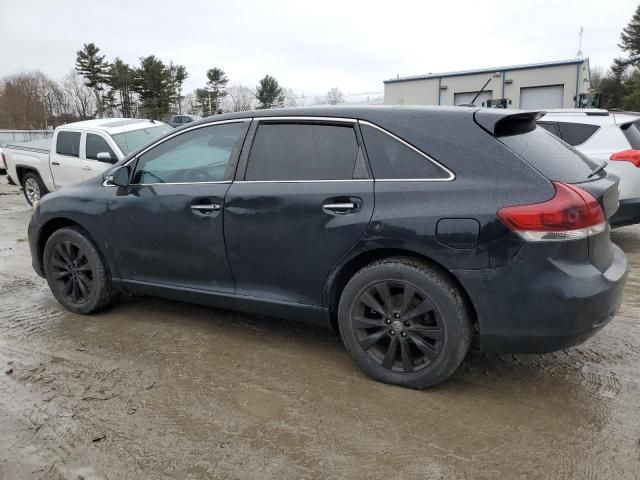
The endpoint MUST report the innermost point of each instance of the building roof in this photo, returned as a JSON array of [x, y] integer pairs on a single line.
[[526, 66]]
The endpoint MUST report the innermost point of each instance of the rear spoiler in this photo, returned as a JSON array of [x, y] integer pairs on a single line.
[[498, 124]]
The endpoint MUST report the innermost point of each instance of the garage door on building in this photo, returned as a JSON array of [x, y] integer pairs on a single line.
[[532, 98], [467, 97]]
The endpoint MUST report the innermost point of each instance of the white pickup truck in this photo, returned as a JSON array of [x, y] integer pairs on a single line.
[[78, 151]]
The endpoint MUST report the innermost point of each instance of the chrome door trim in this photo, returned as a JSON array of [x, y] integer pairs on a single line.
[[306, 181]]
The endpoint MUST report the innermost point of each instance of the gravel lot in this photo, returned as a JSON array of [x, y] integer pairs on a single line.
[[158, 389]]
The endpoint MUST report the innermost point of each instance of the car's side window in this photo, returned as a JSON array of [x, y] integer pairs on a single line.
[[576, 133], [200, 155], [303, 151], [391, 159], [68, 143], [95, 145]]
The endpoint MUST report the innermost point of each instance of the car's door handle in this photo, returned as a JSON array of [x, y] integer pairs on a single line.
[[206, 207], [86, 168], [339, 206], [55, 163]]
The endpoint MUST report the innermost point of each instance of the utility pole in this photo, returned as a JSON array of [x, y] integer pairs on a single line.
[[579, 54]]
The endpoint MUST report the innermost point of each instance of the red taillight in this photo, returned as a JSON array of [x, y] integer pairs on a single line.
[[571, 214], [632, 156]]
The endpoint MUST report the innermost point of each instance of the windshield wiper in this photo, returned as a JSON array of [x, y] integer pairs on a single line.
[[602, 166]]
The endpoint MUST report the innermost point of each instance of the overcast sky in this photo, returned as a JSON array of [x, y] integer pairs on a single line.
[[310, 46]]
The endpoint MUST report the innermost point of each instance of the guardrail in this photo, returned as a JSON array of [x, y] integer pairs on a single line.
[[11, 136]]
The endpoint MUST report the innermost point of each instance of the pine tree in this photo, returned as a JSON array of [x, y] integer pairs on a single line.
[[269, 93], [177, 75], [93, 66], [216, 86], [120, 80], [150, 82], [630, 39]]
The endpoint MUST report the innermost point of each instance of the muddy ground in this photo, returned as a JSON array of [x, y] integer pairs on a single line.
[[158, 389]]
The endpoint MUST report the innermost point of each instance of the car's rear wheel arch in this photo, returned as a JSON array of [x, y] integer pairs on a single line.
[[340, 276]]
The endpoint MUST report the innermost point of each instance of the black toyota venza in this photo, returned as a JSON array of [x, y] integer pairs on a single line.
[[412, 231]]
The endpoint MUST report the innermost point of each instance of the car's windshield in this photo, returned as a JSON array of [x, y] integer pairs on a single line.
[[134, 139]]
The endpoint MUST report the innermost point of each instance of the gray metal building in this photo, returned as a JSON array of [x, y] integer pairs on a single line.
[[533, 86]]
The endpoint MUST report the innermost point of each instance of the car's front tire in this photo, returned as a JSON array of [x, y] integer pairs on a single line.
[[404, 323], [76, 272]]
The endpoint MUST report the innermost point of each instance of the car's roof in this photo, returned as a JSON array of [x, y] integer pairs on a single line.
[[113, 125], [592, 116]]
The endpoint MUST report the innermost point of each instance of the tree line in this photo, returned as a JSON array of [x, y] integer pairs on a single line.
[[97, 87], [620, 85]]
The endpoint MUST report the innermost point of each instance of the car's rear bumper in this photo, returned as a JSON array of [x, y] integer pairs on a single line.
[[628, 213], [543, 305]]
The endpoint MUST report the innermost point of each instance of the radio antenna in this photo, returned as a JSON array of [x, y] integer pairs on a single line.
[[579, 54]]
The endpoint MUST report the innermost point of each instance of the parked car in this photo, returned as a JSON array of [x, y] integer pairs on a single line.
[[613, 137], [411, 231], [180, 120], [78, 151]]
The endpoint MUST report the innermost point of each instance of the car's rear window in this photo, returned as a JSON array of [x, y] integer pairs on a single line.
[[632, 132], [554, 158]]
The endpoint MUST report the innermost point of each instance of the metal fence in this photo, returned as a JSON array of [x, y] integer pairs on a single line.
[[13, 136]]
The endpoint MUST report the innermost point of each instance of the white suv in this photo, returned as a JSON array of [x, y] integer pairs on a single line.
[[605, 136]]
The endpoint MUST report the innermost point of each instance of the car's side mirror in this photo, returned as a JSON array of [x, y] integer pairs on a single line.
[[105, 157], [118, 177]]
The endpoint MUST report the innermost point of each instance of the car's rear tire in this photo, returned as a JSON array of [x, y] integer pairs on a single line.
[[33, 187], [404, 323], [76, 272]]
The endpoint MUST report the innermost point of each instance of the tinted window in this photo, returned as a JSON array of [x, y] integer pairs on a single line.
[[201, 155], [550, 127], [302, 152], [552, 157], [391, 158], [95, 145], [632, 132], [576, 133], [134, 139], [68, 143], [187, 119]]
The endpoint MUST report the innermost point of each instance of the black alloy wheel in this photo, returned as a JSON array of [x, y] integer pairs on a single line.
[[404, 322], [398, 325], [76, 271], [72, 271]]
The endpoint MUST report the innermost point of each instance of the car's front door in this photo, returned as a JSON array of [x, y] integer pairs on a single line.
[[166, 227], [305, 197], [96, 143]]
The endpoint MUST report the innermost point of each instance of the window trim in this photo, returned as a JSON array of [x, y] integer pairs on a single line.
[[241, 166], [135, 159]]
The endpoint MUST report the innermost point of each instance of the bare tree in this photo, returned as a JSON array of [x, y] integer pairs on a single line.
[[290, 98], [239, 99], [334, 96], [79, 96], [597, 75]]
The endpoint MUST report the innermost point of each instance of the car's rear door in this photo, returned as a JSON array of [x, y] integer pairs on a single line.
[[167, 226], [302, 198], [66, 159]]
